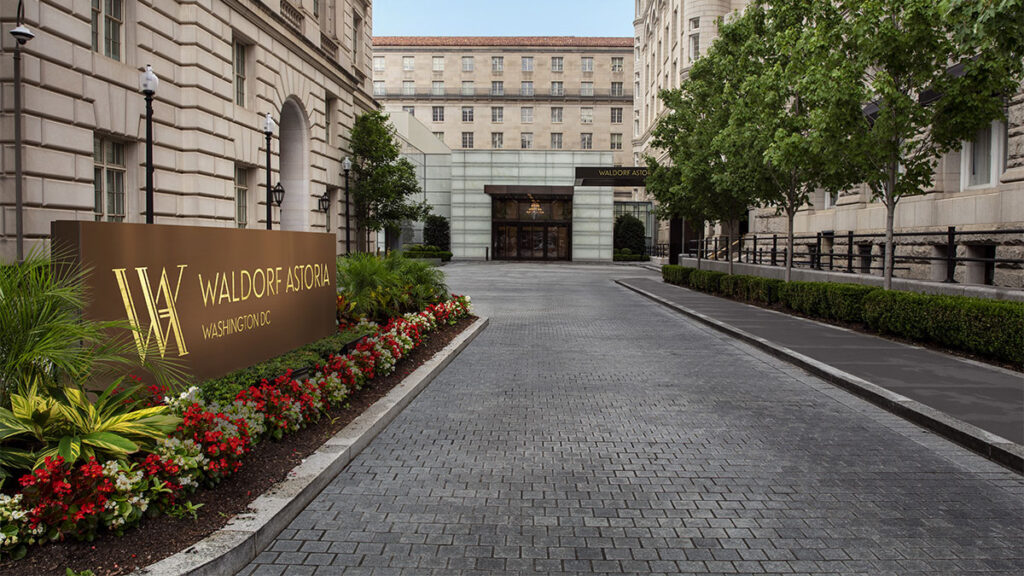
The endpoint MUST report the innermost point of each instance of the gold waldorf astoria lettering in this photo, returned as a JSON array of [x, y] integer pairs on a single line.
[[168, 313]]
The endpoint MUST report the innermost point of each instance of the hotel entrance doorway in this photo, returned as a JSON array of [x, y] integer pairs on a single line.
[[531, 222]]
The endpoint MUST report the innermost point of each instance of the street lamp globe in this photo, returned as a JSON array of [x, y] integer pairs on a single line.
[[278, 193], [325, 202], [148, 81], [22, 34], [346, 164], [268, 125]]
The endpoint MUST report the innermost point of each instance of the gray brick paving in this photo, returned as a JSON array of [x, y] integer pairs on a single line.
[[590, 431]]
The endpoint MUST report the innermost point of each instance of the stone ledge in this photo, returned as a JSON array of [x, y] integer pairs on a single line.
[[231, 548], [991, 446]]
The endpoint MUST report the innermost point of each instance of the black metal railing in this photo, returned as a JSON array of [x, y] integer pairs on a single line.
[[856, 253]]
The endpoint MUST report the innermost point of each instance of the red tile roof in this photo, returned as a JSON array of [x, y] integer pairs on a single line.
[[553, 41]]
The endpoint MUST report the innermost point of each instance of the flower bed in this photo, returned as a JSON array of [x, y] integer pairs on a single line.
[[59, 501]]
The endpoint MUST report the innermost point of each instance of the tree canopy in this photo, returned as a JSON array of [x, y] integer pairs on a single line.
[[384, 183]]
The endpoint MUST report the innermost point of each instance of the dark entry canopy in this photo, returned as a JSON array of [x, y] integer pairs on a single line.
[[614, 176], [550, 192]]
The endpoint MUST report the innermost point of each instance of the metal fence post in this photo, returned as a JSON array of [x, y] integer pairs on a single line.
[[728, 248], [951, 254], [756, 255], [849, 252], [775, 249], [817, 252], [716, 248]]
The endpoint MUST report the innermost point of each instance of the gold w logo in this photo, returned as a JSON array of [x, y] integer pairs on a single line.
[[157, 316]]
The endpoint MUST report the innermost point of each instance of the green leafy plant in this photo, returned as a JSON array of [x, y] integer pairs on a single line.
[[437, 232], [629, 234], [69, 425]]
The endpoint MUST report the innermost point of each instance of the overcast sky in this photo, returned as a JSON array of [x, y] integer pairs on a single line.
[[503, 18]]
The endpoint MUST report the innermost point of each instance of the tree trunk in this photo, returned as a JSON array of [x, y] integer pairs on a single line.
[[790, 215], [890, 213]]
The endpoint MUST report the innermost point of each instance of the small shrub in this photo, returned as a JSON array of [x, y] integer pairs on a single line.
[[629, 234], [437, 232], [706, 280], [678, 275], [763, 290]]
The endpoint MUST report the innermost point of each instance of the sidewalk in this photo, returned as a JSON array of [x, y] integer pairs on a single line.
[[967, 401]]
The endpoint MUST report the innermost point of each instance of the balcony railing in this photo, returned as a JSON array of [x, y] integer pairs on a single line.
[[488, 93]]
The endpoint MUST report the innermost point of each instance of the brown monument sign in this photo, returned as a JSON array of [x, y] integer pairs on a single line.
[[212, 299]]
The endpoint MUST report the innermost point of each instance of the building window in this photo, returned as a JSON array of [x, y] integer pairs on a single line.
[[526, 114], [616, 88], [467, 88], [107, 27], [694, 47], [617, 63], [108, 179], [587, 64], [556, 140], [616, 115], [330, 105], [437, 88], [437, 113], [497, 140], [497, 114], [526, 140], [526, 89], [410, 109], [408, 63], [636, 128], [439, 136], [983, 159], [241, 196], [379, 90], [467, 113], [586, 115], [357, 35], [694, 23], [467, 63], [556, 114], [408, 88], [557, 89], [527, 63], [437, 64], [616, 141], [556, 64], [497, 64], [239, 66], [378, 63], [497, 88], [586, 141], [586, 89], [467, 139]]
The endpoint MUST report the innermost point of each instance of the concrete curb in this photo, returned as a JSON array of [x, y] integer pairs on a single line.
[[246, 535], [991, 446]]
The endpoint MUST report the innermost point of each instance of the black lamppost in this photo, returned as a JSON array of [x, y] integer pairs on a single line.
[[148, 83], [346, 165], [268, 130], [22, 34]]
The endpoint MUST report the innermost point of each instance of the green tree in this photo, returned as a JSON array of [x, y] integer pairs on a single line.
[[384, 181], [437, 232], [894, 104], [629, 233], [711, 162]]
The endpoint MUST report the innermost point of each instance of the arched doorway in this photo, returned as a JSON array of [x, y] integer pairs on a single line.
[[294, 167]]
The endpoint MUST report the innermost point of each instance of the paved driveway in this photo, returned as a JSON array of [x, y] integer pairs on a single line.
[[588, 430]]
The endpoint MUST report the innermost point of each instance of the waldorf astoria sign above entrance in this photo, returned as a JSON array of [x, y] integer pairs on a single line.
[[611, 176], [212, 299]]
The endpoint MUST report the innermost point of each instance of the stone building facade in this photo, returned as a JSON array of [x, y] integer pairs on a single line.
[[512, 93], [222, 64], [977, 189]]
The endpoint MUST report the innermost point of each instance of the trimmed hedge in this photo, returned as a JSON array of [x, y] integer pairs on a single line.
[[990, 328], [224, 389], [421, 251]]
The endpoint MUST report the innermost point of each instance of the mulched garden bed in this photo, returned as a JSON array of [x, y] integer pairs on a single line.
[[268, 463]]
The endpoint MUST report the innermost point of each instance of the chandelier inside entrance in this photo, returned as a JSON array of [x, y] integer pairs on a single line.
[[534, 210]]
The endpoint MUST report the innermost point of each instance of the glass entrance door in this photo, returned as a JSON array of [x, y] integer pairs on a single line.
[[531, 229]]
